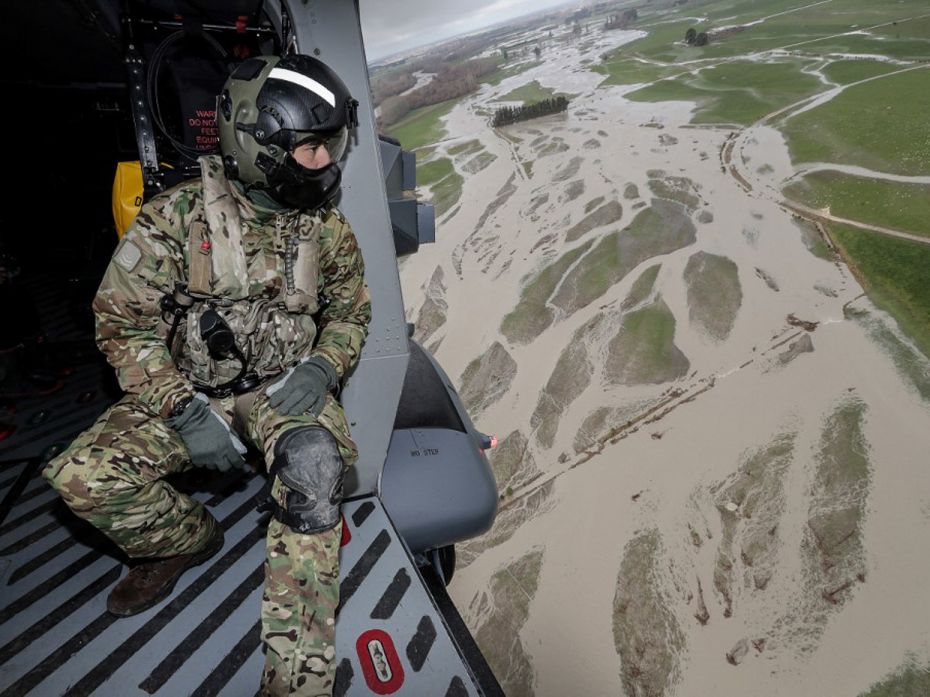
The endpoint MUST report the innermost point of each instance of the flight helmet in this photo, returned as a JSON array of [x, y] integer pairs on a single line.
[[269, 106]]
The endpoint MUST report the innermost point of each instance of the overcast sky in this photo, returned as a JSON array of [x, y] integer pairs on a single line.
[[390, 26]]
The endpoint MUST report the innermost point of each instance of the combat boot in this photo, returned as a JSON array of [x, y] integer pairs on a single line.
[[150, 582]]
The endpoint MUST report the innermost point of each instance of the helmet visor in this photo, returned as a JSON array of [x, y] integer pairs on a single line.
[[335, 142]]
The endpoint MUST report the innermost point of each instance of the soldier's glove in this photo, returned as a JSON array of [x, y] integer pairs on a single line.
[[303, 388], [208, 438]]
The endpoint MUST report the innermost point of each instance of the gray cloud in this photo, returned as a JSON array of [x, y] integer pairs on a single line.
[[390, 26]]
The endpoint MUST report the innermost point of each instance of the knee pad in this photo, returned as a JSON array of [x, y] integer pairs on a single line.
[[308, 463]]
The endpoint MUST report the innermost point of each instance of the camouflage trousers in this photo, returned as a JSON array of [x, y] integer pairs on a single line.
[[112, 475]]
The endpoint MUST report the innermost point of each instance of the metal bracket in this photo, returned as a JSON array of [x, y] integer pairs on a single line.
[[142, 119]]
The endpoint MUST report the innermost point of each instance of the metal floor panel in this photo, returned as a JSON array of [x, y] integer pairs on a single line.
[[56, 637], [390, 638]]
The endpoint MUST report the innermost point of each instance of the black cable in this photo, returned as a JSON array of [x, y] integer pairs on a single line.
[[154, 69]]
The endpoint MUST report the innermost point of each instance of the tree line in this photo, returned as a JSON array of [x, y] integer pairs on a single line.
[[451, 80], [391, 84], [507, 115], [621, 21]]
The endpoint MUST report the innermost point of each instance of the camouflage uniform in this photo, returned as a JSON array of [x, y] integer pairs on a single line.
[[264, 266]]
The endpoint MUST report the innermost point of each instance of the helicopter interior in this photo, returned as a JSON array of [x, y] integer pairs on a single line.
[[99, 83]]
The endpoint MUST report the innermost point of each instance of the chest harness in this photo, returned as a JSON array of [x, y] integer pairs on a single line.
[[218, 275]]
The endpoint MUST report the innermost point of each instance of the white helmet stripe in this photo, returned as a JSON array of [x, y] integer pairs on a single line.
[[305, 82]]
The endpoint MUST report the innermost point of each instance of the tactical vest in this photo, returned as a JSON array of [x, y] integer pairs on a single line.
[[267, 297]]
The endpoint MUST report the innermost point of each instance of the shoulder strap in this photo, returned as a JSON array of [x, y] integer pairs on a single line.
[[200, 268], [217, 260]]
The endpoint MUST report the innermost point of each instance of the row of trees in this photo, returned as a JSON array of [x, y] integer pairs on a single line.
[[507, 115], [450, 81], [622, 20], [696, 38], [391, 84]]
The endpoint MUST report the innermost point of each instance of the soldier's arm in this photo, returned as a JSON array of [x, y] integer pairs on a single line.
[[145, 266], [344, 320]]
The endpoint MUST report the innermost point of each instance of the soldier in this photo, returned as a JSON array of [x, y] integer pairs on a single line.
[[207, 314]]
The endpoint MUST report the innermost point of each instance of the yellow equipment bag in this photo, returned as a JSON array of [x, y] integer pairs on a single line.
[[127, 194]]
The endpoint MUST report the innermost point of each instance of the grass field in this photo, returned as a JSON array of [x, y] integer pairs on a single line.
[[644, 350], [714, 293], [892, 204], [431, 172], [529, 93], [730, 92], [469, 146], [531, 316], [422, 126], [641, 288], [675, 189], [629, 71], [869, 125], [844, 72], [447, 192], [870, 45], [444, 182], [894, 273], [665, 41], [659, 229], [478, 162], [819, 29], [910, 679]]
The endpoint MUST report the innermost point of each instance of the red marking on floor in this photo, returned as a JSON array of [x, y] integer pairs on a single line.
[[346, 533], [388, 676]]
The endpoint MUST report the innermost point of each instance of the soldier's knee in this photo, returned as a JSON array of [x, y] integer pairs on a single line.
[[68, 475], [310, 466], [86, 478]]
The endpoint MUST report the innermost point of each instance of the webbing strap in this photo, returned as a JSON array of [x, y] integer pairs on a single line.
[[201, 262]]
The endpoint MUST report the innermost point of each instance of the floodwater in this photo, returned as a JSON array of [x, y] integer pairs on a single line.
[[773, 502]]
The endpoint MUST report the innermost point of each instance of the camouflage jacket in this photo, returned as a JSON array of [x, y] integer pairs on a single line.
[[254, 273]]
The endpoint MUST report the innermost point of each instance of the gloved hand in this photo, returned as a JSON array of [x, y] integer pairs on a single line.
[[209, 440], [303, 388]]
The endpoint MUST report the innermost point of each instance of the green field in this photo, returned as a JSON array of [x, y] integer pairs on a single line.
[[912, 678], [890, 204], [844, 72], [469, 146], [856, 43], [447, 192], [665, 41], [531, 317], [431, 172], [819, 29], [629, 71], [422, 126], [730, 92], [478, 162], [529, 93], [880, 125], [444, 182], [674, 189], [641, 288], [894, 272], [644, 350], [714, 293], [660, 229]]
